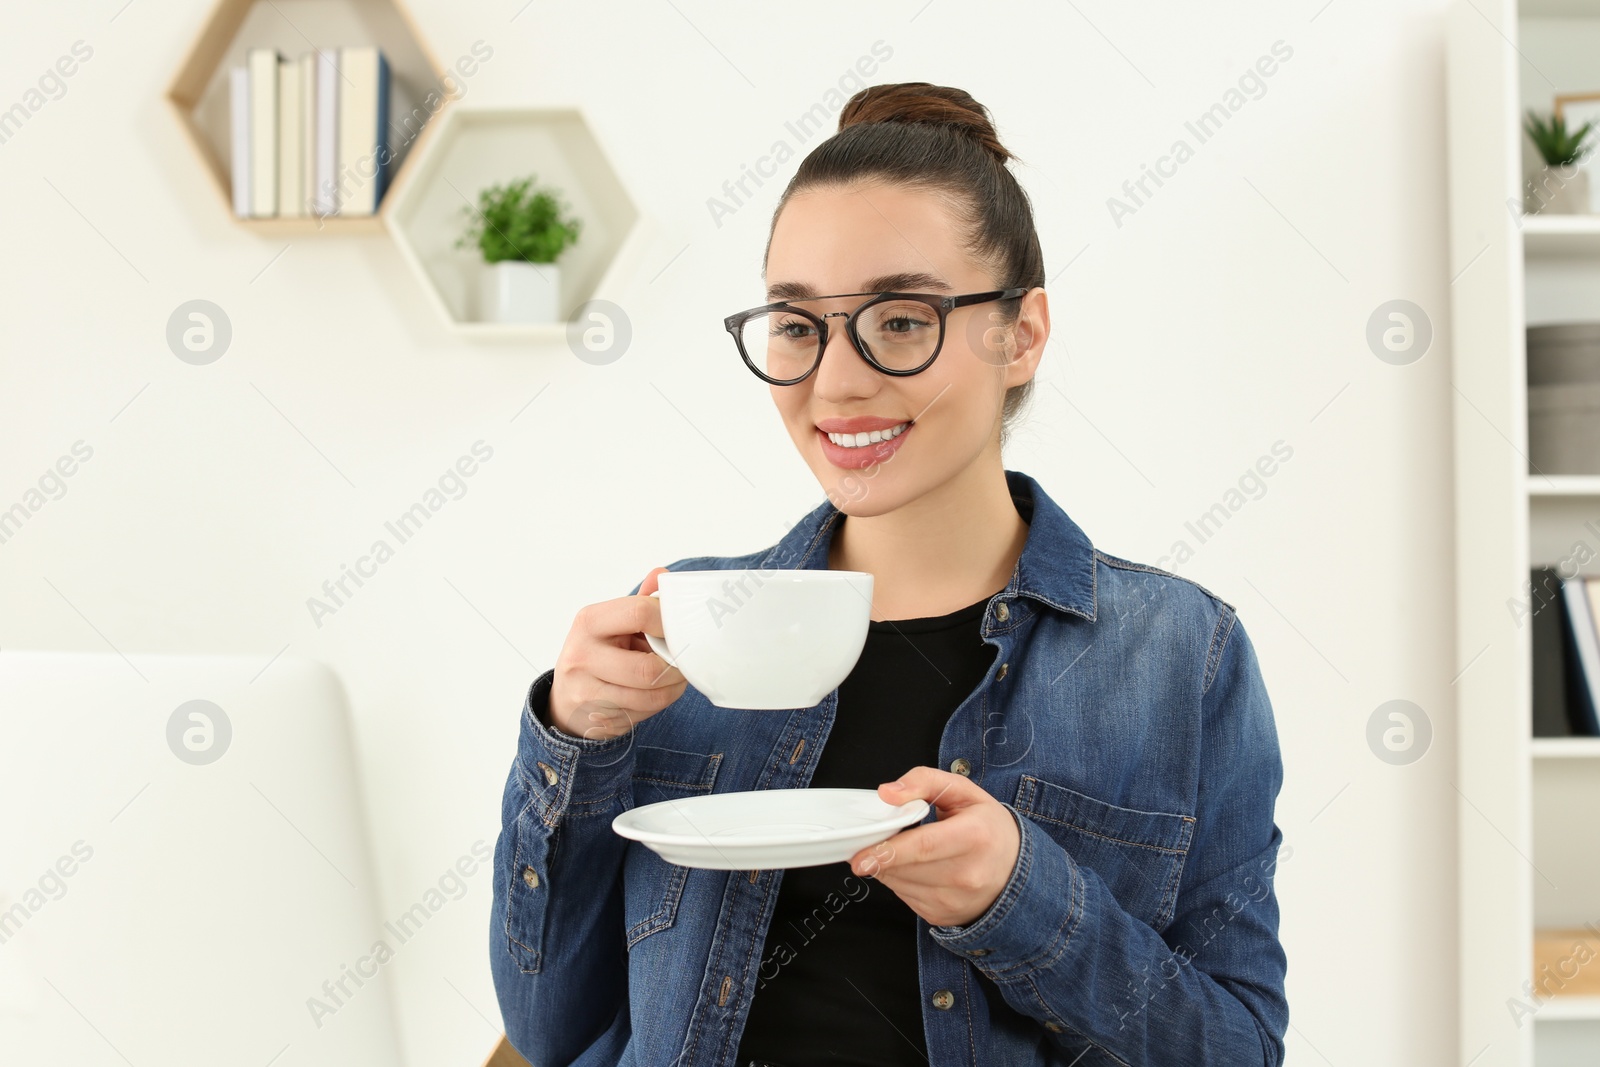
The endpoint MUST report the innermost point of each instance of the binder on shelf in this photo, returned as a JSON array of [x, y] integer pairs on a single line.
[[1584, 648]]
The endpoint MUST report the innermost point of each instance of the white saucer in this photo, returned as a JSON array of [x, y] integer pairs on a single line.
[[763, 829]]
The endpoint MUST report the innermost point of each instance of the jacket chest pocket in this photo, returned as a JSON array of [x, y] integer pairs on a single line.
[[652, 887], [1138, 854]]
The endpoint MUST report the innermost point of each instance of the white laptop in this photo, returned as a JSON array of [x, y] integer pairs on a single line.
[[182, 886]]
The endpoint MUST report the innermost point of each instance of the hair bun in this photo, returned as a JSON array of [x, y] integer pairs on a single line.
[[922, 102]]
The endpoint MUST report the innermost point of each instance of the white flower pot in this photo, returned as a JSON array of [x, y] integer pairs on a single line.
[[515, 291], [1559, 190]]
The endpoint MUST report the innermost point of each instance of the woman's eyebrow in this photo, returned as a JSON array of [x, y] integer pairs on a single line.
[[905, 281]]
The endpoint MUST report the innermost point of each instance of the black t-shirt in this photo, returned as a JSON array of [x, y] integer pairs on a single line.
[[838, 977]]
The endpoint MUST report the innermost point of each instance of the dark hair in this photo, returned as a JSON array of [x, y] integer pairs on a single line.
[[940, 139]]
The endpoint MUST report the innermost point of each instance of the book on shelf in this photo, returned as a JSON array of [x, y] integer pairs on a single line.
[[309, 134], [364, 158], [263, 65], [289, 144], [324, 202], [1584, 649], [239, 137], [307, 73], [1566, 654]]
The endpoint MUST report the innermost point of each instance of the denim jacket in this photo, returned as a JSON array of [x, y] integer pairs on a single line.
[[1123, 723]]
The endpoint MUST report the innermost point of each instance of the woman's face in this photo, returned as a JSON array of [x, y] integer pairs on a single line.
[[870, 237]]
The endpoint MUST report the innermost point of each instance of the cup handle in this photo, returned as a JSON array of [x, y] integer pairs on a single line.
[[657, 645]]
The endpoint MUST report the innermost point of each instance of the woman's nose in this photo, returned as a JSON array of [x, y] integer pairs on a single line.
[[843, 372]]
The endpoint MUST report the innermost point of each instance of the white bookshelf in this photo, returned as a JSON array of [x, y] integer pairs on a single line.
[[198, 92], [1566, 485], [1529, 844], [1561, 235], [1569, 1009], [1566, 748], [480, 145]]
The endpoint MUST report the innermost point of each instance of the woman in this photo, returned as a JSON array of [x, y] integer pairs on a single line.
[[1094, 885]]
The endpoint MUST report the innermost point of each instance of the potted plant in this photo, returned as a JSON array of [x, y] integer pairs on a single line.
[[1562, 186], [520, 229]]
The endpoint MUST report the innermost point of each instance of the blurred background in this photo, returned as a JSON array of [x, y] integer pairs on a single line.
[[299, 491]]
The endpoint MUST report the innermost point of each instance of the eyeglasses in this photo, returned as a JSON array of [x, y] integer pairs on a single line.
[[897, 333]]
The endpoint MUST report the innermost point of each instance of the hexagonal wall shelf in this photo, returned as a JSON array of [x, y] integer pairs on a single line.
[[199, 91], [475, 147]]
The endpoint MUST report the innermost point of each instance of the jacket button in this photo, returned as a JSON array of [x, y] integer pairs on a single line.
[[1054, 1028], [1002, 612], [943, 999], [962, 767], [549, 772], [531, 877], [979, 952], [1001, 673]]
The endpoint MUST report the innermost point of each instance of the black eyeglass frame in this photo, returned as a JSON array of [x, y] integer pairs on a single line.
[[942, 305]]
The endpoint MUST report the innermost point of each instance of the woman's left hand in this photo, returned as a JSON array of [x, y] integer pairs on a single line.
[[949, 871]]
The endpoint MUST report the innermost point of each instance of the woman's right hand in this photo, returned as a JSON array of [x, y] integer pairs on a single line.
[[607, 678]]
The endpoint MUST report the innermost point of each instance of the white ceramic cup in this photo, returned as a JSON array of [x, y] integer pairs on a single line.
[[763, 639]]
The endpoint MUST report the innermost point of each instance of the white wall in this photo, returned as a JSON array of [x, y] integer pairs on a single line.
[[1224, 315]]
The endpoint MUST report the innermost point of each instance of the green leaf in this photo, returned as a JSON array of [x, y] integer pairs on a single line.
[[517, 220], [1556, 144]]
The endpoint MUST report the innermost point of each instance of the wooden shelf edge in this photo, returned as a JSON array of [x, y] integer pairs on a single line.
[[505, 1056]]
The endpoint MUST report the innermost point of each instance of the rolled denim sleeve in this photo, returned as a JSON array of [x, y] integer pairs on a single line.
[[556, 931], [1208, 989]]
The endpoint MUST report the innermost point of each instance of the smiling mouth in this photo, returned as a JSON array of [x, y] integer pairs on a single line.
[[870, 437]]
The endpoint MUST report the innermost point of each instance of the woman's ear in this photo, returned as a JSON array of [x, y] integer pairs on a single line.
[[1029, 335]]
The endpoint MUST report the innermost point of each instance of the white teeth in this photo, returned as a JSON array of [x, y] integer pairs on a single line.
[[872, 437]]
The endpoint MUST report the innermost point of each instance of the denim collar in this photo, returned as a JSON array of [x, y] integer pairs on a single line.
[[1057, 565]]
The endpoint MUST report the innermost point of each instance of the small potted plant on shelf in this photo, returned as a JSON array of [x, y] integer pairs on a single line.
[[521, 229], [1562, 186]]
